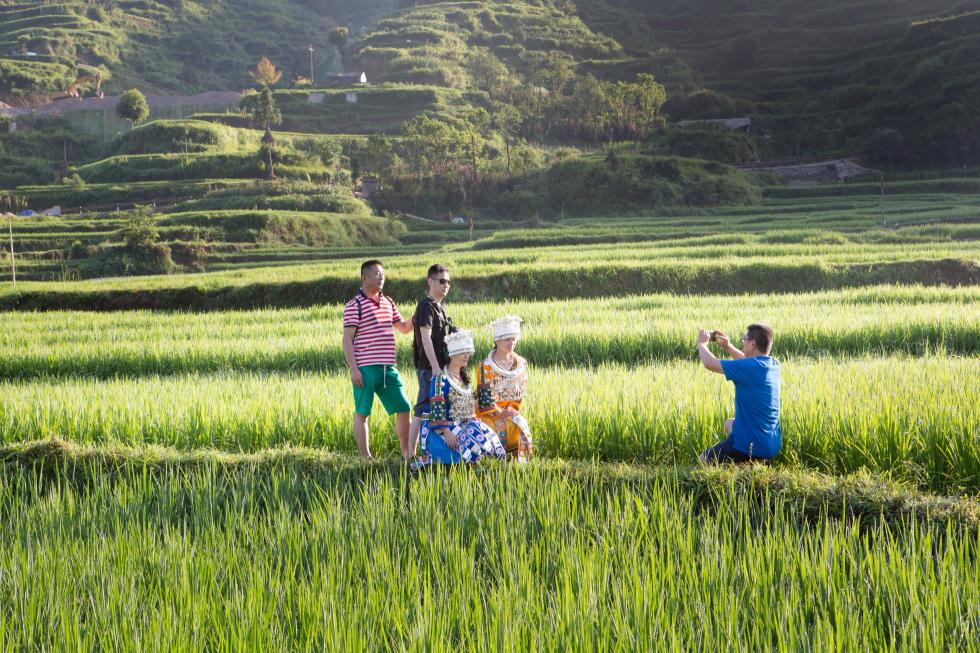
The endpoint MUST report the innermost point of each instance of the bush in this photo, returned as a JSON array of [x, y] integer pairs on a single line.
[[589, 186], [174, 136], [116, 260], [139, 228], [275, 227], [713, 143], [705, 104], [132, 106]]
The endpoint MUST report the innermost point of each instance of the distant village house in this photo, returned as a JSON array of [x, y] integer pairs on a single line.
[[369, 188]]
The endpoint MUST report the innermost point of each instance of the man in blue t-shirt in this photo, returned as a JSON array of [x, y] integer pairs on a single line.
[[753, 434]]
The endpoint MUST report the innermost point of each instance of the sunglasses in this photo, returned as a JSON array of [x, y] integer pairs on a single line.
[[444, 282]]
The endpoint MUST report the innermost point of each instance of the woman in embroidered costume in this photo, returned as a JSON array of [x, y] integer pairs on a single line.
[[503, 379], [452, 433]]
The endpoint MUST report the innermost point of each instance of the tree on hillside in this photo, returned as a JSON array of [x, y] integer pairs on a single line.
[[427, 142], [636, 106], [265, 115], [472, 128], [959, 133], [338, 37], [266, 112], [507, 120], [589, 107], [552, 70], [267, 153], [265, 73], [139, 228], [885, 146], [379, 155], [133, 107], [488, 73]]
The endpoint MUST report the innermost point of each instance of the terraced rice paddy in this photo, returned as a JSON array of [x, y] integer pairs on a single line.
[[186, 480], [792, 245]]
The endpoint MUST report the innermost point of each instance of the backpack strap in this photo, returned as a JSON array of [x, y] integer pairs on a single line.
[[360, 314]]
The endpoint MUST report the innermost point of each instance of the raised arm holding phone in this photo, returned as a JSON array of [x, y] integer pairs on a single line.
[[754, 433]]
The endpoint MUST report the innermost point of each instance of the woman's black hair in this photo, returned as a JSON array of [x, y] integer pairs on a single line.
[[464, 376]]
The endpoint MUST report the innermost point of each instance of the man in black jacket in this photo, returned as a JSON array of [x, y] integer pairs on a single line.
[[432, 325]]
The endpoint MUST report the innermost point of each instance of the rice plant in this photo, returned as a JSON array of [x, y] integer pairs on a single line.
[[630, 330], [272, 558], [915, 419]]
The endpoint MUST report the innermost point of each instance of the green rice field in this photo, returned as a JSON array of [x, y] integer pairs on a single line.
[[838, 416], [784, 245], [278, 557], [179, 471]]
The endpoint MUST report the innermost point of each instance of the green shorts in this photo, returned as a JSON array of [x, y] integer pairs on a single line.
[[384, 381]]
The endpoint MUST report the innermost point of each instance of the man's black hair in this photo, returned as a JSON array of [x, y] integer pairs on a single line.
[[762, 335], [367, 265], [437, 268]]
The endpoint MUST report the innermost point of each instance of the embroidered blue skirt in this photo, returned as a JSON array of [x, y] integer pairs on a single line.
[[476, 441]]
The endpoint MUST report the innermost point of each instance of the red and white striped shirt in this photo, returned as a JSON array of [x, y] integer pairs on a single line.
[[374, 339]]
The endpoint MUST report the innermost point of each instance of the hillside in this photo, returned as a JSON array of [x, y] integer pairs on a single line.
[[894, 80], [514, 113], [177, 46], [480, 44]]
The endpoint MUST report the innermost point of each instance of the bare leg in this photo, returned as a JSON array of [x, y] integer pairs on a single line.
[[402, 428], [413, 437], [361, 435], [729, 423]]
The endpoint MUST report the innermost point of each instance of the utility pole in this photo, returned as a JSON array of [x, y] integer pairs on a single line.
[[310, 48], [882, 179], [13, 263]]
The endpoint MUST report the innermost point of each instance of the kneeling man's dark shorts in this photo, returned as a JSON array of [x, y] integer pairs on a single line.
[[725, 452], [422, 402]]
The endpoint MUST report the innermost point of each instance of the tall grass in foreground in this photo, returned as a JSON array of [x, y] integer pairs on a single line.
[[914, 419], [507, 559]]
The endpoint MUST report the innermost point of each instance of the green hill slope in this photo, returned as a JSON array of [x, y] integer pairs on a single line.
[[896, 80], [177, 46], [476, 43]]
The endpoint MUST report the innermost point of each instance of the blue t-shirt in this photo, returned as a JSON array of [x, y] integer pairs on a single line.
[[756, 429]]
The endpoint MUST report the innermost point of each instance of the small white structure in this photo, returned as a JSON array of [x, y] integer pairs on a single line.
[[351, 98], [339, 80], [315, 98], [727, 123]]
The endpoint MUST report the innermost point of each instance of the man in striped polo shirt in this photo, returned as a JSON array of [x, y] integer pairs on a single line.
[[369, 347]]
